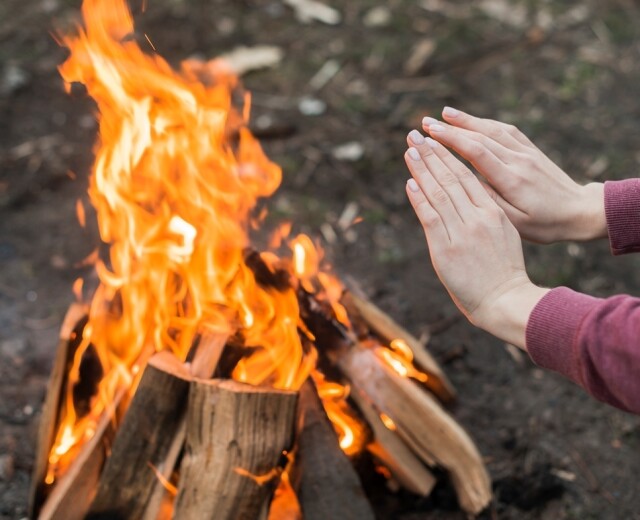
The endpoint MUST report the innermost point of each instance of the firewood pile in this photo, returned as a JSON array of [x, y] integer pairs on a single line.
[[193, 443]]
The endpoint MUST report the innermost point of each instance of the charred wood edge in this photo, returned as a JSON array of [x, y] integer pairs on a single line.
[[72, 495], [208, 353], [405, 467], [143, 439], [51, 408], [383, 325], [420, 421], [235, 433], [323, 477]]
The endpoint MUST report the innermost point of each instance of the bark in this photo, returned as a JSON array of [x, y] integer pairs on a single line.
[[144, 439]]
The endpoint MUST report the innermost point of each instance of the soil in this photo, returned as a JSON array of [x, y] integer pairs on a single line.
[[566, 72]]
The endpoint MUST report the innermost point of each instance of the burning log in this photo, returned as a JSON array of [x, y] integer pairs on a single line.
[[391, 451], [422, 423], [236, 435], [144, 438], [383, 325], [208, 352], [324, 479], [72, 495], [51, 408]]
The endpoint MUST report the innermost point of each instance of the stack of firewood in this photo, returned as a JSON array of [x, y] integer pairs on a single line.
[[193, 443]]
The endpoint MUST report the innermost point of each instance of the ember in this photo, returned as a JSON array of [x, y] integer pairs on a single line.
[[182, 298]]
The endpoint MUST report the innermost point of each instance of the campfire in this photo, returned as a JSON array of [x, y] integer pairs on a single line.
[[207, 377]]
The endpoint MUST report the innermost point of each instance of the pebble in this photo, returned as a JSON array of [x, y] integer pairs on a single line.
[[13, 79], [351, 151], [379, 16], [310, 106]]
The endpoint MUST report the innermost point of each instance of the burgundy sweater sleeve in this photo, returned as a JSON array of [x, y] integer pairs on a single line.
[[622, 209], [592, 341]]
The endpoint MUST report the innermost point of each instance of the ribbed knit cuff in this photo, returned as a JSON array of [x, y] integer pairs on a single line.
[[552, 329], [622, 210]]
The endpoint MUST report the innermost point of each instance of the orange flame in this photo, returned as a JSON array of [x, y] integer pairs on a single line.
[[175, 179], [400, 358], [350, 431]]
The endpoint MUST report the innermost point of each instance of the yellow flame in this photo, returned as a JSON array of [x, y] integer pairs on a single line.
[[351, 432]]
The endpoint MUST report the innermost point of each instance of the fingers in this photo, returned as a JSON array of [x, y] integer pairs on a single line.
[[507, 135], [469, 182], [443, 175], [437, 197], [429, 218], [477, 150]]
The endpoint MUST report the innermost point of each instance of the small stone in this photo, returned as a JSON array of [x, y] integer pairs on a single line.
[[379, 16], [13, 79], [351, 151], [309, 106]]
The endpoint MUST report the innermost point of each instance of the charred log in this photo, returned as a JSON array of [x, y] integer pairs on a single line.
[[324, 479]]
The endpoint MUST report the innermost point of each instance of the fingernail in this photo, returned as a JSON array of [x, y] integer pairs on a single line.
[[431, 142], [413, 153], [427, 121], [450, 112], [416, 137], [436, 128], [413, 186]]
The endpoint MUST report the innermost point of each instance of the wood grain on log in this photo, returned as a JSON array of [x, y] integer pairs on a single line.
[[51, 408], [323, 478], [383, 325], [236, 435], [203, 365], [422, 423], [143, 439]]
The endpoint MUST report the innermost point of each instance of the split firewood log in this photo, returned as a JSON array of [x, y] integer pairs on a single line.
[[236, 436], [431, 433], [385, 327], [143, 439], [69, 337]]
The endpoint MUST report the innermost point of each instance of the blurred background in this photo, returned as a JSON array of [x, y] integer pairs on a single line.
[[332, 106]]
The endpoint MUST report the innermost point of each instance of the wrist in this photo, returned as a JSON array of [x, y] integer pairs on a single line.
[[591, 221], [507, 316]]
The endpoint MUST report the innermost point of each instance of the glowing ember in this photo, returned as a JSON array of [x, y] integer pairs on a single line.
[[400, 358]]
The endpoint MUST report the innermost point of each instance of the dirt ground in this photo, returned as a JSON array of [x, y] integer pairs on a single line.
[[567, 72]]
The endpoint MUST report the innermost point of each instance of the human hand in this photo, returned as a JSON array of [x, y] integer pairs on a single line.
[[475, 250], [541, 200]]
